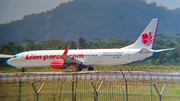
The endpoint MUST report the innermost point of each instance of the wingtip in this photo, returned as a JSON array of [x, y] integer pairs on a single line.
[[68, 46], [66, 51]]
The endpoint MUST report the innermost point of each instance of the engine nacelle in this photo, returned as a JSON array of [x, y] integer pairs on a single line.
[[58, 65]]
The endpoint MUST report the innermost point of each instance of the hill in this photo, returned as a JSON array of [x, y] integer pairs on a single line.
[[122, 19]]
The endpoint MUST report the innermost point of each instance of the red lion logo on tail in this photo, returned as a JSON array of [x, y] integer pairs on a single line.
[[147, 39]]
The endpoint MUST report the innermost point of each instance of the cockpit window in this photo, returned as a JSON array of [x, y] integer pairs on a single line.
[[14, 56]]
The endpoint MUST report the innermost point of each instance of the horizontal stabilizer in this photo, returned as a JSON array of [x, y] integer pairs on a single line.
[[162, 50], [5, 56]]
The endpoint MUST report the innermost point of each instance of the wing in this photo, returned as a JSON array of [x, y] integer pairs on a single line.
[[71, 61]]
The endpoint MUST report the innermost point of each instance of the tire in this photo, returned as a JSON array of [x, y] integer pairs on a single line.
[[90, 68], [23, 69], [79, 69]]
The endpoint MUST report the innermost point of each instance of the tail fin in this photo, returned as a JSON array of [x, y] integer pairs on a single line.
[[146, 39]]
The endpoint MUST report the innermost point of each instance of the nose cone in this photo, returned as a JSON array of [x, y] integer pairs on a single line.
[[11, 62], [14, 62]]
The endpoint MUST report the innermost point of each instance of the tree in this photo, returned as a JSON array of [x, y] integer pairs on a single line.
[[72, 44], [81, 43], [30, 44], [98, 43], [11, 48], [54, 44]]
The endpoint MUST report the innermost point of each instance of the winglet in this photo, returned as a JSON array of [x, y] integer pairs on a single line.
[[66, 51]]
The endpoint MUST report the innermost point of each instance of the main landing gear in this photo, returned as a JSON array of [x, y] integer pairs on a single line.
[[79, 68], [90, 68]]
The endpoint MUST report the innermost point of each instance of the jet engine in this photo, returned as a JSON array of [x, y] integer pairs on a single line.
[[58, 65]]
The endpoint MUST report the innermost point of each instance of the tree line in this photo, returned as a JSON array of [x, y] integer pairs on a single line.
[[161, 42]]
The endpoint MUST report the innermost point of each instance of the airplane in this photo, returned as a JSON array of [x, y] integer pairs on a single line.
[[87, 58]]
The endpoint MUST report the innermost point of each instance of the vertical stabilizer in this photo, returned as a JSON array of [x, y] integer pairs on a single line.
[[146, 39]]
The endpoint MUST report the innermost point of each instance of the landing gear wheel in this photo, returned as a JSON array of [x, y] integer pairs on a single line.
[[90, 68], [79, 68], [23, 69]]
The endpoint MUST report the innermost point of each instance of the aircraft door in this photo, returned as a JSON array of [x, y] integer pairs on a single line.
[[100, 56], [128, 56], [22, 58]]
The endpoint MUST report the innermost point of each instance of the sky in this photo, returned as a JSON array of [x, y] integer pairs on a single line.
[[16, 9], [11, 10], [170, 4]]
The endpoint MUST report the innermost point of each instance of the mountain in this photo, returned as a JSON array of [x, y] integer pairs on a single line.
[[177, 10], [123, 19]]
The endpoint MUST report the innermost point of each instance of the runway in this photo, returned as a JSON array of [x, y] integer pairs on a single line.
[[93, 75]]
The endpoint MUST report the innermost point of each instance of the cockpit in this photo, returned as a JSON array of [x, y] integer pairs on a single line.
[[14, 56]]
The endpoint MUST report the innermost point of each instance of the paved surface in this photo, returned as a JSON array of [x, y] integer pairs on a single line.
[[94, 75]]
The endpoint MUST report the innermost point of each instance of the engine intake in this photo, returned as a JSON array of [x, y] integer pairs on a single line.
[[58, 65]]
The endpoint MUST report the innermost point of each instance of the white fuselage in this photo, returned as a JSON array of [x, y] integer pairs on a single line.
[[43, 58]]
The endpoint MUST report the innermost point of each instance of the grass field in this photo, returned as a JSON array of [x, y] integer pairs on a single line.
[[83, 91]]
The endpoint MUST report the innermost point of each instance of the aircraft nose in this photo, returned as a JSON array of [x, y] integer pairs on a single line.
[[11, 62]]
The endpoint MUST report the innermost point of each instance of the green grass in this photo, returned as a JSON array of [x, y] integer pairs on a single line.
[[110, 91], [59, 90]]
